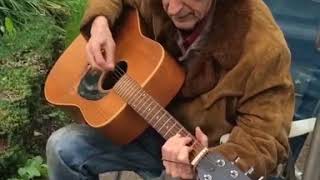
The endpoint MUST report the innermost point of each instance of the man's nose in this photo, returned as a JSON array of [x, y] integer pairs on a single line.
[[174, 7]]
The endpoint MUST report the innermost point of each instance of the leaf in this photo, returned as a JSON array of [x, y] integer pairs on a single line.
[[22, 171], [44, 170], [2, 29], [8, 23], [33, 172], [38, 159]]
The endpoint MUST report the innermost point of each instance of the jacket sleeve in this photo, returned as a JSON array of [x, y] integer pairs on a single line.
[[111, 9], [265, 112]]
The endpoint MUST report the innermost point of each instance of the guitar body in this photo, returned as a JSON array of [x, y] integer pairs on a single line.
[[73, 85]]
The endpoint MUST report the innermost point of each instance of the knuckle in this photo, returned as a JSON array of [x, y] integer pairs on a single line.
[[181, 157], [99, 62], [168, 171], [174, 174], [164, 148], [165, 164]]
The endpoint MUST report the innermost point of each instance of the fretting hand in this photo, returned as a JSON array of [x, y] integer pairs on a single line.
[[175, 155]]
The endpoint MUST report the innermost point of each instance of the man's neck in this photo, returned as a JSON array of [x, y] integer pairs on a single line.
[[189, 36]]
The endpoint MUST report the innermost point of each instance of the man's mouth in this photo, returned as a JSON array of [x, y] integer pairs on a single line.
[[183, 17]]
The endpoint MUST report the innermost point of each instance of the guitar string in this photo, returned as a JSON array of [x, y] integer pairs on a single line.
[[119, 73], [137, 90], [198, 146], [102, 112]]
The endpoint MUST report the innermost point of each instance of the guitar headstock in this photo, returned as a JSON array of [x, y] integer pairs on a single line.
[[214, 166]]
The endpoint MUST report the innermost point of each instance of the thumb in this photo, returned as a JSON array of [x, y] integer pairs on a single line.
[[201, 137]]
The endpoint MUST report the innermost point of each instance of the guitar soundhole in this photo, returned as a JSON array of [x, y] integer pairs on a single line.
[[112, 77], [88, 87]]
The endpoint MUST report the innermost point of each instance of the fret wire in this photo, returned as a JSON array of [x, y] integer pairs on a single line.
[[169, 130], [179, 130], [137, 90], [125, 91], [141, 107], [156, 114], [164, 124], [120, 86], [147, 101], [164, 119], [155, 124], [147, 106], [175, 126], [130, 90], [179, 126], [143, 96], [116, 86], [140, 92], [151, 109], [167, 116], [152, 105]]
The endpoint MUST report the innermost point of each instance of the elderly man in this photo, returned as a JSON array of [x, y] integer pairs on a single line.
[[237, 82]]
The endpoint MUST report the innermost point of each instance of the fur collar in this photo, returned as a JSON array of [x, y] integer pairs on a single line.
[[217, 49], [224, 34]]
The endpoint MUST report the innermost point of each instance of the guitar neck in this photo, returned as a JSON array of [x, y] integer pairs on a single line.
[[158, 117]]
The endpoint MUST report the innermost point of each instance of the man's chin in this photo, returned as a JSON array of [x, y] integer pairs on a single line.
[[186, 26]]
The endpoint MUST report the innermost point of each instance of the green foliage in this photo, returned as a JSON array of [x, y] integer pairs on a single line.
[[22, 11], [34, 168], [10, 159], [14, 114], [32, 36], [26, 119], [73, 23], [38, 35], [9, 27]]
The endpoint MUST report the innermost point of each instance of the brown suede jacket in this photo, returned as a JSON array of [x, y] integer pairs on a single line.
[[237, 77]]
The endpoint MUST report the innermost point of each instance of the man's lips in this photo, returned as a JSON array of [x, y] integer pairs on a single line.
[[180, 18]]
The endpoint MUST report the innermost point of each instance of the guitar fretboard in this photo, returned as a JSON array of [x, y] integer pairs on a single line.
[[145, 105]]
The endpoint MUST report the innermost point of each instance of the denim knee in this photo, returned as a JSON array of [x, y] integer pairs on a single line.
[[65, 155], [63, 144]]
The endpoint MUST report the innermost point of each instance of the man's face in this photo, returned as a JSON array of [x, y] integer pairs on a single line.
[[186, 13]]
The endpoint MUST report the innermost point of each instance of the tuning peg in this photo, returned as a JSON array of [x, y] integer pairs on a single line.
[[250, 171], [234, 174], [236, 160], [261, 178], [220, 163]]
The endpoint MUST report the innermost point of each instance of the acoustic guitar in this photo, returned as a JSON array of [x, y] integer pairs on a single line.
[[123, 103]]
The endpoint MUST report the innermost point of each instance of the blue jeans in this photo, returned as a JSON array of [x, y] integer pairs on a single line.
[[79, 152]]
